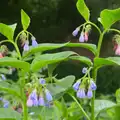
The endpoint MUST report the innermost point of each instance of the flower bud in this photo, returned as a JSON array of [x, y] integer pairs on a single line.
[[34, 42], [81, 38], [81, 93], [76, 85], [48, 95], [75, 32]]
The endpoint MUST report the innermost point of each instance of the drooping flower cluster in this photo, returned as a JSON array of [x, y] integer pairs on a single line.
[[84, 91], [25, 42], [84, 34], [41, 98], [116, 41]]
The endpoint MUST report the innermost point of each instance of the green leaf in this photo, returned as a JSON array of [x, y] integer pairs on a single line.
[[7, 31], [8, 61], [62, 85], [102, 104], [83, 9], [117, 94], [112, 113], [25, 19], [46, 59], [12, 89], [109, 17], [43, 47], [90, 47], [13, 26], [99, 62], [9, 114], [82, 59]]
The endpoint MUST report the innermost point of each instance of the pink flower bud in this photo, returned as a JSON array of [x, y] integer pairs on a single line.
[[29, 103], [86, 36], [117, 51]]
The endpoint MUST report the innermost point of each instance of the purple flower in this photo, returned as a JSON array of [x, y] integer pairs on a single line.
[[34, 42], [89, 93], [6, 103], [81, 93], [75, 32], [76, 85], [41, 101], [26, 46], [48, 95], [93, 85], [42, 81], [29, 103], [81, 38], [3, 77], [84, 70]]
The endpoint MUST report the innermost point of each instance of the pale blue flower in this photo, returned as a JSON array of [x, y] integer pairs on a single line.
[[26, 46], [81, 93], [81, 38], [42, 81], [3, 77], [93, 85], [6, 103], [48, 95], [75, 32], [76, 85], [34, 42], [41, 101], [89, 93], [84, 70]]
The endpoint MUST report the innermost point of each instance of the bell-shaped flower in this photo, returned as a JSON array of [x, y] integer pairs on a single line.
[[41, 101], [42, 81], [1, 55], [93, 85], [76, 85], [86, 36], [81, 93], [3, 77], [48, 95], [89, 93], [26, 46], [82, 38], [75, 32], [117, 51], [34, 42], [29, 102], [6, 103]]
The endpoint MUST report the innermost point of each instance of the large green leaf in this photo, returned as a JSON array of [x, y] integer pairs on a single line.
[[43, 47], [8, 61], [109, 17], [25, 19], [117, 94], [90, 47], [46, 59], [7, 31], [102, 104], [112, 113], [13, 26], [61, 86], [9, 114], [82, 59], [12, 89], [99, 62], [83, 9]]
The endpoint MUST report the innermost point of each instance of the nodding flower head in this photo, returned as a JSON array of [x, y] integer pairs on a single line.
[[26, 46], [75, 32], [29, 102], [41, 101], [89, 93], [117, 51], [81, 93], [1, 55], [86, 36], [84, 70], [3, 77], [76, 85], [93, 85], [6, 103], [82, 38], [48, 95], [42, 81], [34, 42]]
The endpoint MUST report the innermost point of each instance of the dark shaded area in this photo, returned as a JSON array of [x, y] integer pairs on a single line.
[[54, 21]]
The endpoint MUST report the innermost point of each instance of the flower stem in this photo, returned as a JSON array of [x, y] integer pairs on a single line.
[[85, 114]]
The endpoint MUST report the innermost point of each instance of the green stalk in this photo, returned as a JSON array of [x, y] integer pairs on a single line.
[[84, 113], [94, 74]]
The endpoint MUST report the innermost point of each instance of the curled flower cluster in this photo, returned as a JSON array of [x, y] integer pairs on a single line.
[[116, 41], [41, 99], [83, 92], [25, 42], [84, 34]]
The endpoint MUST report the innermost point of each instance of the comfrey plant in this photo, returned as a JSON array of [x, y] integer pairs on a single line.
[[35, 95]]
